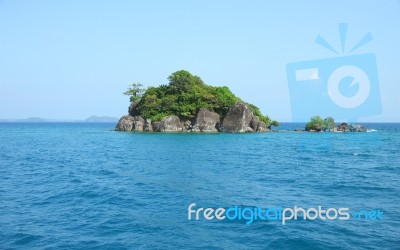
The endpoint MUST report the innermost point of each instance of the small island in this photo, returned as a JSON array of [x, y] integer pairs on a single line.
[[187, 104], [317, 124]]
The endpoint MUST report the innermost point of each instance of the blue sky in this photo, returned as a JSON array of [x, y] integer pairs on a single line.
[[74, 59]]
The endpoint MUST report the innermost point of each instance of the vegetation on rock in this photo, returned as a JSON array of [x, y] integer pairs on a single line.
[[183, 96], [329, 124], [316, 123], [135, 91]]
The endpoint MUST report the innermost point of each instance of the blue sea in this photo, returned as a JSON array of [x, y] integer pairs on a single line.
[[85, 186]]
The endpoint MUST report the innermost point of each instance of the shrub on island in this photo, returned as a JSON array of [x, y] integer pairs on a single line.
[[317, 124], [186, 103]]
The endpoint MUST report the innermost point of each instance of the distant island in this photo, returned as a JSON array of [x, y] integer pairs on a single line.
[[317, 124], [187, 104], [39, 119], [101, 119], [30, 119]]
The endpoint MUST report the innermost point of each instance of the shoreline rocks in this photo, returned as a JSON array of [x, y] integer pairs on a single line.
[[205, 121], [130, 123], [342, 127], [317, 124], [170, 123], [239, 119], [347, 127]]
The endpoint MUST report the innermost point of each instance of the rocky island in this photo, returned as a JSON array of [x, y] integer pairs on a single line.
[[317, 124], [187, 104]]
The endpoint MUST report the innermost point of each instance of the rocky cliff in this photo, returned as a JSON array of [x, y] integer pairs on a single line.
[[187, 104], [239, 119], [317, 124]]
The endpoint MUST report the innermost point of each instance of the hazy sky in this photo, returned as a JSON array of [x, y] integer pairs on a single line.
[[73, 59]]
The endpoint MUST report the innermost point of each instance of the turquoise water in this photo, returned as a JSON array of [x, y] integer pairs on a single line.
[[84, 186]]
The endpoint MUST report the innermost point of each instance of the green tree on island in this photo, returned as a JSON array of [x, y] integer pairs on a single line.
[[135, 91], [183, 96], [274, 123], [329, 124], [315, 123]]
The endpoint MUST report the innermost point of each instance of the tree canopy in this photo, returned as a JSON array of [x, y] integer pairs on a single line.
[[135, 91], [183, 96], [315, 123]]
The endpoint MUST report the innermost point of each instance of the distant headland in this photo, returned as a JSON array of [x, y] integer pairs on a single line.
[[187, 104], [93, 119]]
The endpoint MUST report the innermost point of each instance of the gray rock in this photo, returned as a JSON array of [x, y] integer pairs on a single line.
[[206, 121], [169, 124], [138, 123], [262, 127], [130, 123], [238, 118], [125, 123], [347, 127], [257, 125], [187, 126], [254, 122], [344, 127], [156, 126], [359, 128], [147, 125]]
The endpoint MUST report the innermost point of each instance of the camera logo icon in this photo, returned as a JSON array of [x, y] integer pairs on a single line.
[[345, 87]]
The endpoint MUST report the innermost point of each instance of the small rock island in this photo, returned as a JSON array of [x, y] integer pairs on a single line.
[[187, 104], [317, 124]]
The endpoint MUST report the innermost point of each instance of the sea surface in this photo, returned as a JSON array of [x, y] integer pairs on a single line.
[[85, 186]]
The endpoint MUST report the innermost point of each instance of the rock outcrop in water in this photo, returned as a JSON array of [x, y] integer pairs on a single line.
[[328, 125], [347, 127], [239, 119], [187, 104], [205, 121], [126, 123], [169, 123]]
